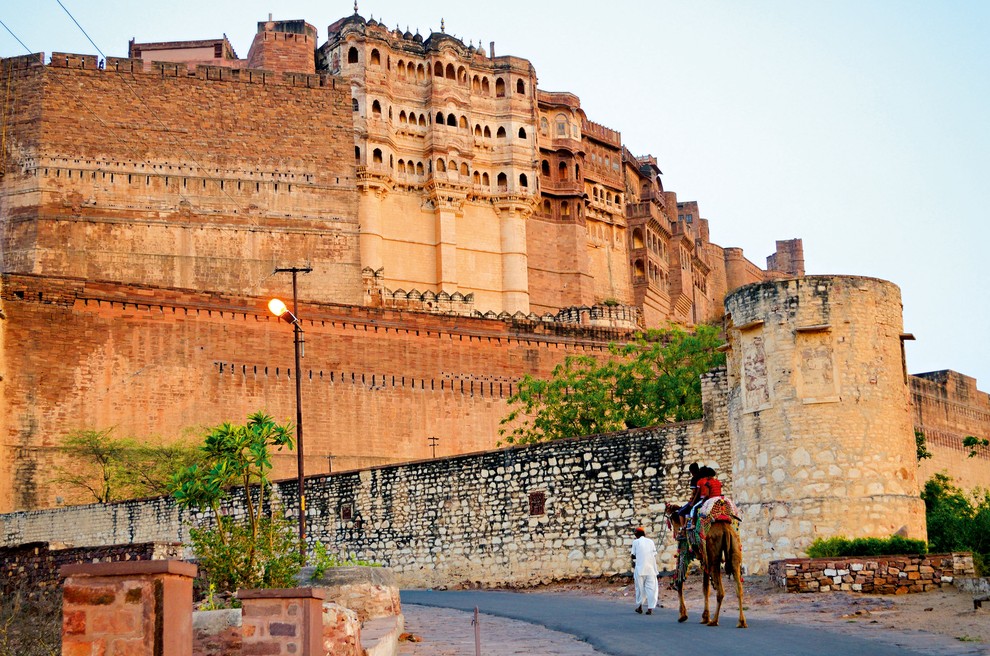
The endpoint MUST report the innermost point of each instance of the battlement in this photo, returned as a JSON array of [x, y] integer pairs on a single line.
[[166, 69], [601, 133]]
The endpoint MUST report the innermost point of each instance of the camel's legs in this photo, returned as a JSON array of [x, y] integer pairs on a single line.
[[705, 587], [683, 607], [719, 593], [739, 594]]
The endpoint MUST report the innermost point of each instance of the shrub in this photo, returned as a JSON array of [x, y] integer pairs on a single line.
[[838, 547], [31, 622]]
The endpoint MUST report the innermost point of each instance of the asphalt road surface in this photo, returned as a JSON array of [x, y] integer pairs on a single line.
[[613, 628]]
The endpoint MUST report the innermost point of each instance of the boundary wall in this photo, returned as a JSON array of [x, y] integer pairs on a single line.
[[515, 516]]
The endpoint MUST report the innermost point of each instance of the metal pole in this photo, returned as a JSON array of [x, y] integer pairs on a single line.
[[477, 633], [299, 344]]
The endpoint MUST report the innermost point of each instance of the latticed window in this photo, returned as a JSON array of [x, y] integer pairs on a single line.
[[537, 503]]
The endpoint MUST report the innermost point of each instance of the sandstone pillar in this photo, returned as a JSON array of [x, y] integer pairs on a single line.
[[512, 216], [819, 414], [372, 191], [282, 621], [136, 608]]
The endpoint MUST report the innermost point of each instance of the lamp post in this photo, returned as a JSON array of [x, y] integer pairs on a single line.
[[278, 308]]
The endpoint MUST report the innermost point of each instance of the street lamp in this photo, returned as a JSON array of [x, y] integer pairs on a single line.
[[278, 308]]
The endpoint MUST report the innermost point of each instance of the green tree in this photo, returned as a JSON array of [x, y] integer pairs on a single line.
[[957, 521], [97, 465], [652, 379], [243, 547], [974, 443]]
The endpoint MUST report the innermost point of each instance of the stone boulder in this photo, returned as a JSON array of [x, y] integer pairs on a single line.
[[371, 592]]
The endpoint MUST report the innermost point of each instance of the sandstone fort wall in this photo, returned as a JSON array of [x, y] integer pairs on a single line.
[[204, 178], [512, 516], [376, 383], [819, 413]]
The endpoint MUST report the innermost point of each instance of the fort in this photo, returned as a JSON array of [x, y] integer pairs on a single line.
[[464, 228]]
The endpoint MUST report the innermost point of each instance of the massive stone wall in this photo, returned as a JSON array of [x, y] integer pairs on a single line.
[[819, 413], [513, 516], [204, 178], [148, 361], [947, 407]]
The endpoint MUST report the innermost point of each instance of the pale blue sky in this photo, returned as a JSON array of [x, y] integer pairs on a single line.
[[860, 126]]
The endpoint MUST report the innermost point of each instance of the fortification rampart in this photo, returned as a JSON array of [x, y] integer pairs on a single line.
[[198, 179], [819, 414], [149, 361], [512, 516], [947, 407]]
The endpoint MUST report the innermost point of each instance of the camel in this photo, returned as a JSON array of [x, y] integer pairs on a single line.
[[720, 544]]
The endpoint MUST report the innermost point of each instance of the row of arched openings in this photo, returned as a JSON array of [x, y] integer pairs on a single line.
[[444, 166], [449, 120], [418, 72]]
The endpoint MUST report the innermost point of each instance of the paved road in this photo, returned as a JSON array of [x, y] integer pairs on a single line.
[[611, 627]]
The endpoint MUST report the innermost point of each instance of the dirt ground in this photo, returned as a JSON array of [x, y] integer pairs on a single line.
[[947, 611]]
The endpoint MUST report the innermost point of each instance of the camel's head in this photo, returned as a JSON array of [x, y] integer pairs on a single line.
[[674, 520]]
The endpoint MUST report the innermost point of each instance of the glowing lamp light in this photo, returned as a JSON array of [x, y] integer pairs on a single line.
[[277, 307]]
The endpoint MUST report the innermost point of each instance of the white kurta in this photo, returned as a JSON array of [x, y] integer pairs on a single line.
[[645, 572]]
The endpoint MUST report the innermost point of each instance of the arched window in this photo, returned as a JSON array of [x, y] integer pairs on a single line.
[[545, 168], [477, 131], [439, 120], [520, 86], [352, 55], [452, 166], [438, 70], [565, 209], [410, 169], [464, 169], [476, 83], [402, 117], [357, 154], [544, 126], [402, 69], [419, 168], [637, 238], [485, 87], [422, 120], [462, 76], [561, 125], [501, 133], [376, 109], [402, 166], [451, 75], [376, 156], [503, 182], [477, 178], [640, 269], [485, 180], [451, 120], [354, 104], [499, 88], [546, 208], [488, 133], [420, 72], [463, 124], [441, 167], [523, 181], [522, 133], [577, 171], [562, 171], [376, 57]]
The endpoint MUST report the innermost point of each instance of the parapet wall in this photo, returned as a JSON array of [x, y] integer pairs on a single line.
[[509, 517]]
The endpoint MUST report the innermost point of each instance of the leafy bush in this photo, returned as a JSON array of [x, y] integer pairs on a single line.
[[957, 521], [838, 547], [260, 550], [323, 560]]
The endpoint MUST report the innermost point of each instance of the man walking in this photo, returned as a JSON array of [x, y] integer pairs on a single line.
[[644, 555]]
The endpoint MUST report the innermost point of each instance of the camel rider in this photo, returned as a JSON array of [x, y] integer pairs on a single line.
[[695, 471], [707, 487]]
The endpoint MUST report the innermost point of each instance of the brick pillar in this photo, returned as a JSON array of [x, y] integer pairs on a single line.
[[136, 608], [282, 621]]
